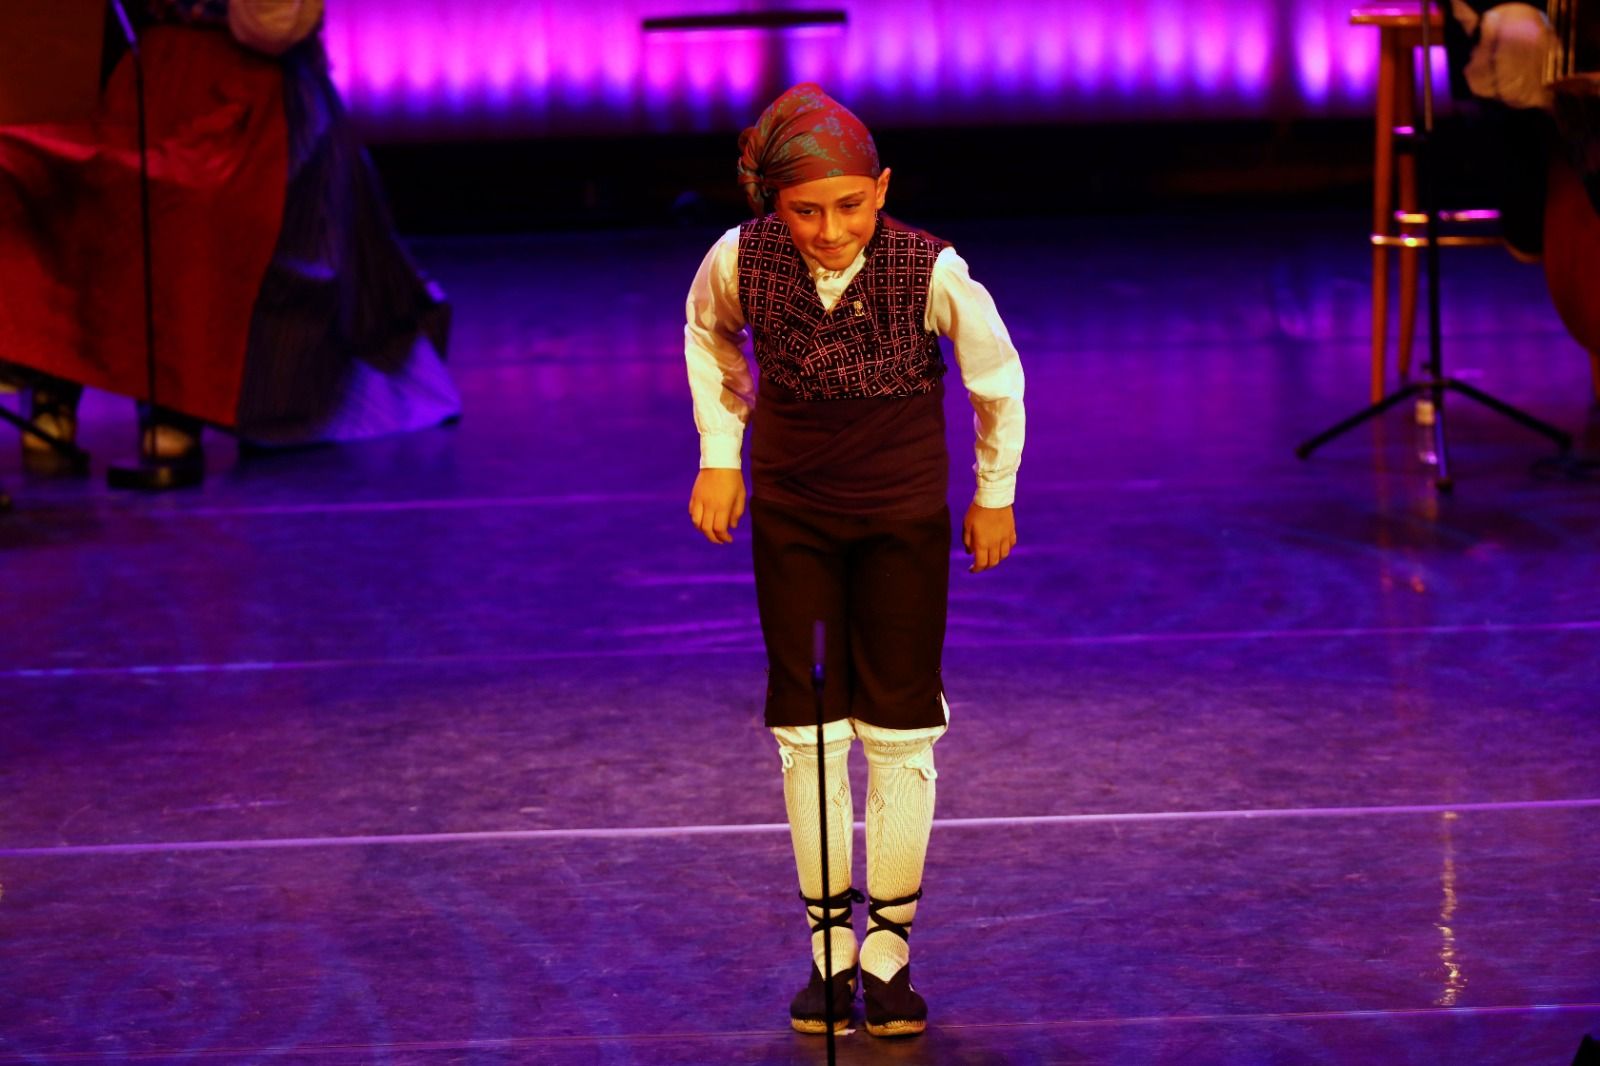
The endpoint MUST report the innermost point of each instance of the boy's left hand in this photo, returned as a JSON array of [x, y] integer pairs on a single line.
[[988, 534]]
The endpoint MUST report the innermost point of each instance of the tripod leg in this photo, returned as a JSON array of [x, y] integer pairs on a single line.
[[1441, 453], [1305, 450], [1560, 438]]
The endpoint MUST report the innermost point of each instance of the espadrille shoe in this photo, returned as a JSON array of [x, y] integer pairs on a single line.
[[894, 1008], [808, 1011]]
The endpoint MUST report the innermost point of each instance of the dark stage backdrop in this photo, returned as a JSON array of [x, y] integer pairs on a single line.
[[453, 69]]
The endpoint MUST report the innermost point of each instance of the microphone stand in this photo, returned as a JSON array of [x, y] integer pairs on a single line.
[[818, 643], [149, 472], [1436, 384]]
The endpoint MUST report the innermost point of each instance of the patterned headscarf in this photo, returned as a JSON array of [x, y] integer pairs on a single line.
[[803, 135]]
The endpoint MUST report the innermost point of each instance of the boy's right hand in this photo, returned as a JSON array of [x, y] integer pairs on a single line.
[[717, 503]]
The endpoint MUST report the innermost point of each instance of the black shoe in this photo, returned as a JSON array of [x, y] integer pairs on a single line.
[[808, 1011], [893, 1007]]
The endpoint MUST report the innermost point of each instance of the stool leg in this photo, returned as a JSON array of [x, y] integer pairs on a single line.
[[1383, 203], [1410, 259], [1380, 319], [1409, 273]]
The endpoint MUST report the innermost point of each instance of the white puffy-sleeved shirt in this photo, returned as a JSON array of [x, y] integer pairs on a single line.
[[958, 307]]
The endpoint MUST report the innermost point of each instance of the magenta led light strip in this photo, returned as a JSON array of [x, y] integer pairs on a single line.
[[430, 68]]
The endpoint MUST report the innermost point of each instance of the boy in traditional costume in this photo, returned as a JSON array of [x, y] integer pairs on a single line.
[[849, 519]]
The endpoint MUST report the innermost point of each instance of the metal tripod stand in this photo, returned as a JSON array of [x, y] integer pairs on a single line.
[[818, 645], [1435, 384], [149, 472]]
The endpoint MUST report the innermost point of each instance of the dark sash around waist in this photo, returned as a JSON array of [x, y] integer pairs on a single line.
[[882, 456]]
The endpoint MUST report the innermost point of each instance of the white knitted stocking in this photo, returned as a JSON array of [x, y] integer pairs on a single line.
[[798, 748], [900, 795]]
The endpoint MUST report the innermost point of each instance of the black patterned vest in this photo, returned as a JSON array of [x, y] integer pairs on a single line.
[[873, 342], [850, 413]]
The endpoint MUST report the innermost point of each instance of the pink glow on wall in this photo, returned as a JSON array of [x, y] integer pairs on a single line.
[[1358, 72], [431, 68], [1130, 49], [1169, 40], [815, 56], [663, 59], [1011, 35], [701, 68], [1089, 45], [1049, 61], [1253, 48], [499, 74], [888, 62], [971, 61], [1210, 52], [742, 65], [422, 69], [619, 64], [927, 58], [464, 74], [1314, 63]]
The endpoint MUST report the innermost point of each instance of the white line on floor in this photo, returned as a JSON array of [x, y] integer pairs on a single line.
[[654, 832], [661, 651]]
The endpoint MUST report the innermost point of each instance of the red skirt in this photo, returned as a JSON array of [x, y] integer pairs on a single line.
[[71, 280]]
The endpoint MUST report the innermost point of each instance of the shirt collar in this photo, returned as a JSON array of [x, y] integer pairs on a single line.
[[822, 273]]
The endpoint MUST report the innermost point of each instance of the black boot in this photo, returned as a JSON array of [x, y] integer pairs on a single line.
[[893, 1007], [808, 1011]]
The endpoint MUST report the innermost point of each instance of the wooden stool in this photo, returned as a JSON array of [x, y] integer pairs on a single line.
[[1399, 226]]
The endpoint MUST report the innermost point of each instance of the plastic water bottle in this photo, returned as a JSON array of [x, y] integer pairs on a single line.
[[1426, 415]]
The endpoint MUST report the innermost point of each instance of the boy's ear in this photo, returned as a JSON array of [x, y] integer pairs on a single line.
[[883, 186]]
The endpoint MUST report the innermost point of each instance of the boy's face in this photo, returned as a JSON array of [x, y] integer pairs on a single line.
[[832, 219]]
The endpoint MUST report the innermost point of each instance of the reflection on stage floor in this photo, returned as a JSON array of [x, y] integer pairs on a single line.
[[446, 748]]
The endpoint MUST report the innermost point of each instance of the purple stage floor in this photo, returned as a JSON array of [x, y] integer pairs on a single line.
[[446, 748]]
